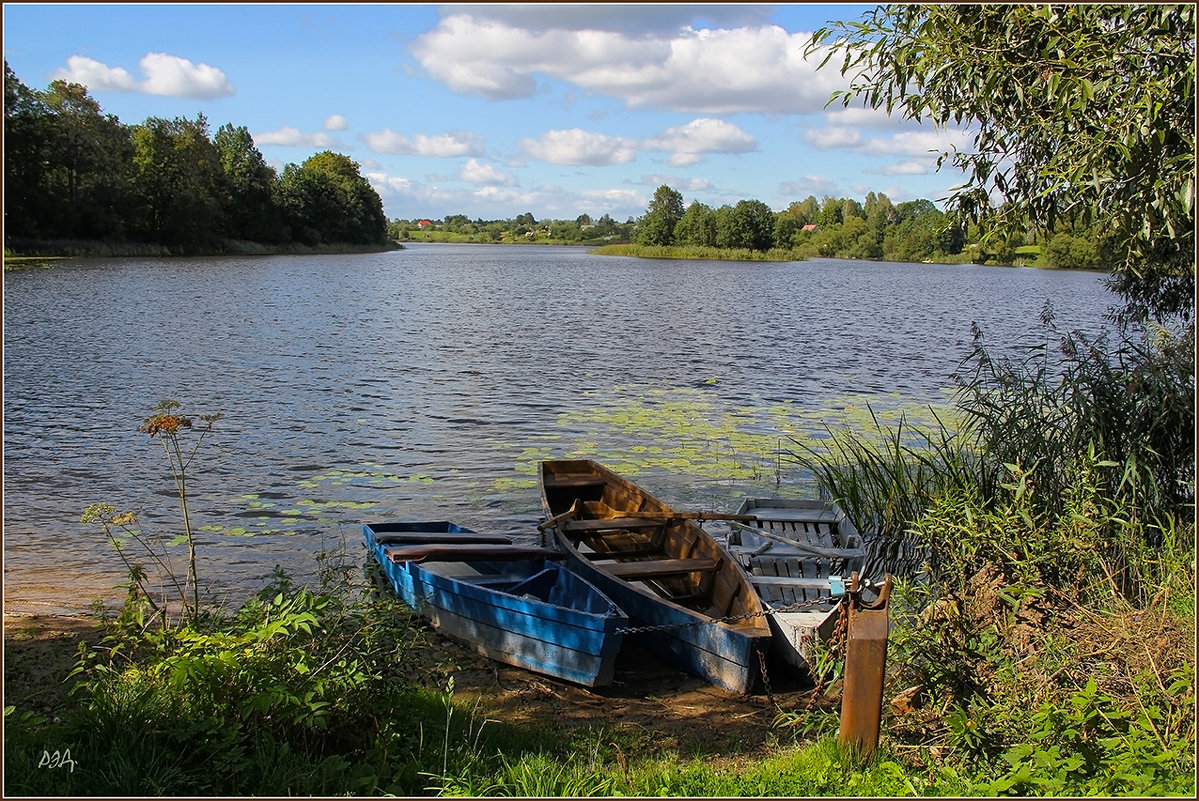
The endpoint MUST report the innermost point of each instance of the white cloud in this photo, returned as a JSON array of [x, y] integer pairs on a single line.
[[616, 198], [834, 137], [96, 76], [504, 197], [712, 71], [336, 122], [677, 182], [816, 185], [164, 75], [576, 146], [902, 168], [917, 143], [452, 144], [484, 174], [913, 143], [635, 19], [293, 137], [688, 143]]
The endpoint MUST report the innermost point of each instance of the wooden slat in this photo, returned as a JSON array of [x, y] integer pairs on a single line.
[[789, 581], [452, 552], [614, 524], [658, 568], [574, 481], [440, 538]]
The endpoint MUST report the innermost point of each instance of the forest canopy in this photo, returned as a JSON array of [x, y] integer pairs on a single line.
[[72, 172]]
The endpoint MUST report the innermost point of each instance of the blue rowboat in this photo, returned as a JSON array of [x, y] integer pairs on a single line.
[[692, 601], [512, 603]]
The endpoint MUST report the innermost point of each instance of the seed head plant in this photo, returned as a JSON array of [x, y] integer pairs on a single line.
[[170, 427]]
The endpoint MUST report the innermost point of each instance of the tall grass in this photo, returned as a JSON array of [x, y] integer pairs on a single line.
[[1124, 416], [1048, 647]]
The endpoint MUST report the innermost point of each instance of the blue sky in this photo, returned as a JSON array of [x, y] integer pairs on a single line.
[[496, 110]]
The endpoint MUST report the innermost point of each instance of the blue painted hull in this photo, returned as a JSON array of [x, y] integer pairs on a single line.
[[725, 654], [531, 613]]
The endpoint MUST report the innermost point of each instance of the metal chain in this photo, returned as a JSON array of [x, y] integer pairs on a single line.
[[837, 643], [766, 679], [795, 607]]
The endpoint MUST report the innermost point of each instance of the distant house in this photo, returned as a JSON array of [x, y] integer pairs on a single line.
[[423, 224], [810, 227]]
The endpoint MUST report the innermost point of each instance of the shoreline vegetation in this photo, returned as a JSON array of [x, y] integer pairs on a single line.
[[20, 254], [30, 254]]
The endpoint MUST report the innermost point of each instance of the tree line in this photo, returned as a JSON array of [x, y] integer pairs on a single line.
[[524, 228], [914, 230], [74, 173]]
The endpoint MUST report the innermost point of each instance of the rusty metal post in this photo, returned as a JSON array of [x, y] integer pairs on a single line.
[[865, 664]]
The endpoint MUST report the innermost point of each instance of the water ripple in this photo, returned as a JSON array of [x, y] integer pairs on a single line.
[[428, 382]]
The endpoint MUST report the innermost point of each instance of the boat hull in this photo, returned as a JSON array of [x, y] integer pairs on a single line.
[[723, 654], [708, 621], [532, 613], [799, 586]]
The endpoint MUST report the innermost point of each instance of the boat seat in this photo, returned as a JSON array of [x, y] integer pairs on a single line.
[[658, 568], [787, 581], [610, 524], [573, 481]]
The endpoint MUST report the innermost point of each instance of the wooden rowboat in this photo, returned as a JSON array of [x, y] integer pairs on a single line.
[[512, 603], [671, 577], [799, 556]]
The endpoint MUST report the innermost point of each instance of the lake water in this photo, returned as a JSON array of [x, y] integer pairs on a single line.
[[428, 382]]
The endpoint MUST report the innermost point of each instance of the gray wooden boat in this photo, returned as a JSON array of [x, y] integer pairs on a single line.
[[799, 556]]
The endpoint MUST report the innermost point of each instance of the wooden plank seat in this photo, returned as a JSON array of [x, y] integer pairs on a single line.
[[788, 581], [610, 524], [458, 552], [815, 553], [659, 568], [574, 481]]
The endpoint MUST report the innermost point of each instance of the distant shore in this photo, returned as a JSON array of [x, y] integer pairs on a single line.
[[18, 253]]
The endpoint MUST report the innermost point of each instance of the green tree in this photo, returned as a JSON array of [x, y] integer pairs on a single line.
[[177, 182], [697, 226], [249, 189], [859, 241], [326, 200], [726, 234], [785, 226], [753, 224], [28, 136], [1070, 252], [1077, 110], [807, 211], [87, 179], [664, 213], [830, 212]]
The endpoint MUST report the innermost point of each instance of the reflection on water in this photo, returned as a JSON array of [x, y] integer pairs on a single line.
[[428, 383]]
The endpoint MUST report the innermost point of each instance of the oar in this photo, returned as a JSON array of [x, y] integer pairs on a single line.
[[685, 516], [573, 511], [825, 552]]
